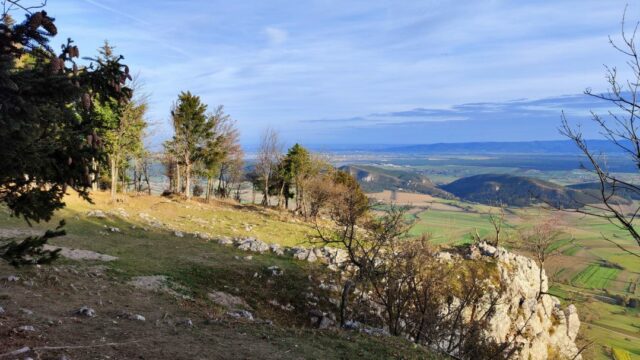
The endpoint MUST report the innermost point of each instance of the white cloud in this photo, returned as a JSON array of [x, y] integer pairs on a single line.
[[332, 59], [275, 35]]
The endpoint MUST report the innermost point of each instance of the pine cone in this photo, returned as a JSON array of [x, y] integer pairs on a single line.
[[36, 20], [86, 101], [47, 24], [74, 52]]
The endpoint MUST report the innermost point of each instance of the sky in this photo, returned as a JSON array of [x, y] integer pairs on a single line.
[[329, 72]]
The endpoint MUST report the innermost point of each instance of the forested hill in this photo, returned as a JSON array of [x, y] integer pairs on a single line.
[[376, 179], [518, 191]]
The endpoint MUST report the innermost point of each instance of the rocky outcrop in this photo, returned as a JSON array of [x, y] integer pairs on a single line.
[[335, 258], [525, 315]]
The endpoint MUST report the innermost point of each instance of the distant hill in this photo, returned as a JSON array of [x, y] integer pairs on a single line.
[[594, 187], [521, 147], [514, 190], [375, 179]]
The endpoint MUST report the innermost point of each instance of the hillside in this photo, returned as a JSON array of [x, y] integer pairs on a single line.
[[594, 187], [155, 278], [376, 179], [514, 190]]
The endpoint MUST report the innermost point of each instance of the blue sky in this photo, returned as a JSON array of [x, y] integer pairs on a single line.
[[366, 72]]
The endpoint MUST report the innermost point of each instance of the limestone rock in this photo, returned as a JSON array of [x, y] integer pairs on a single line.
[[524, 302], [301, 253], [573, 322], [241, 314], [227, 301], [97, 214], [254, 245], [276, 249], [79, 254], [224, 241]]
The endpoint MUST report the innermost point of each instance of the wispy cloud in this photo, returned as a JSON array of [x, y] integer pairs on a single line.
[[118, 12], [441, 64], [275, 35]]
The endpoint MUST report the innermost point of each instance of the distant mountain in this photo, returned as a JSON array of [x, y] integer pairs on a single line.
[[375, 179], [514, 190], [525, 147]]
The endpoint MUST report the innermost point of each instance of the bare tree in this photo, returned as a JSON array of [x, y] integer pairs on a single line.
[[539, 240], [26, 6], [268, 157], [620, 127], [497, 220]]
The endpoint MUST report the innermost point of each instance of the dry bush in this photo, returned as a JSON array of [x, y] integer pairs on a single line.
[[402, 284]]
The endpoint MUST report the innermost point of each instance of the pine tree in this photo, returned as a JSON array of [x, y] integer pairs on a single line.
[[49, 132], [192, 129], [297, 167]]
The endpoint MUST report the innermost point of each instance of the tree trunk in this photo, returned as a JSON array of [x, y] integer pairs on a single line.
[[281, 197], [145, 171], [265, 197], [114, 177], [187, 176], [238, 199], [178, 179], [94, 176], [123, 174], [221, 186], [136, 186], [344, 302], [208, 192]]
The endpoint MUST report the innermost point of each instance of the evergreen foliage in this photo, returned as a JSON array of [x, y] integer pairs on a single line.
[[192, 131], [49, 135]]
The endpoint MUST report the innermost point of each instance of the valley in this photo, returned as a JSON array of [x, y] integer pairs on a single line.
[[585, 267]]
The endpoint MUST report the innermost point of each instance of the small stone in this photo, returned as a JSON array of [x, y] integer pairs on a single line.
[[26, 328], [178, 234], [97, 214], [12, 278], [225, 241], [188, 323], [241, 314], [254, 245], [26, 311], [1, 310], [86, 311], [325, 323], [276, 249], [114, 229], [138, 317], [275, 270]]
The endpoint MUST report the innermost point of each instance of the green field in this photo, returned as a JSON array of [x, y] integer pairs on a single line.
[[449, 227], [595, 277]]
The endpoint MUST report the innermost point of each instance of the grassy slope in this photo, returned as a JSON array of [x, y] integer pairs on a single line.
[[201, 266]]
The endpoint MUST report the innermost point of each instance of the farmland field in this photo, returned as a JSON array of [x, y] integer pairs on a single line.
[[595, 277]]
